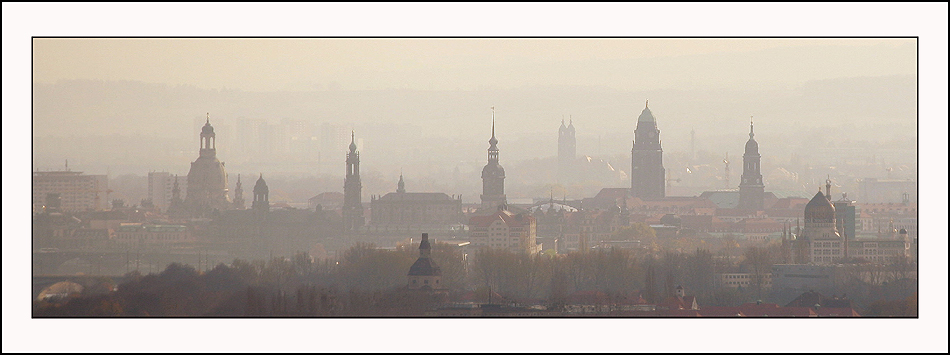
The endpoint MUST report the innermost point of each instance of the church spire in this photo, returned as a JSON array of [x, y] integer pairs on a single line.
[[493, 175], [493, 140], [493, 149], [751, 130]]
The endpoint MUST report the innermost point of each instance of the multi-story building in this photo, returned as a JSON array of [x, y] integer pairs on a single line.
[[141, 234], [77, 192], [873, 190], [744, 280], [516, 233], [403, 210], [820, 242], [160, 185]]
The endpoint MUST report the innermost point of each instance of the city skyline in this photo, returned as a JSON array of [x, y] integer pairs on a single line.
[[432, 113]]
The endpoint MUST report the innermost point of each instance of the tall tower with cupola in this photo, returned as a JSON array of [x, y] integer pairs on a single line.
[[352, 189], [493, 175], [207, 179], [751, 187], [647, 176], [261, 196]]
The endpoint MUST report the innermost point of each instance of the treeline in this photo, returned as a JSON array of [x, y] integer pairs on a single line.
[[367, 280]]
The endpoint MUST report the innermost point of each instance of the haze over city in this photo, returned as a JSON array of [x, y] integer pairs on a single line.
[[404, 96], [467, 177]]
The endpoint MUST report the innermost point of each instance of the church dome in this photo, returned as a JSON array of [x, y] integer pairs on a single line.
[[260, 186], [819, 209], [206, 129]]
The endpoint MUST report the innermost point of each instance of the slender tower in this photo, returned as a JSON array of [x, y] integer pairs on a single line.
[[401, 185], [239, 195], [751, 188], [646, 158], [352, 190], [566, 149], [493, 175]]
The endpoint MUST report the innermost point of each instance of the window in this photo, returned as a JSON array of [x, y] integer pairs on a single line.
[[425, 282]]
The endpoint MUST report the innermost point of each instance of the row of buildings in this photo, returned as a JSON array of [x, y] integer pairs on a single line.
[[749, 212]]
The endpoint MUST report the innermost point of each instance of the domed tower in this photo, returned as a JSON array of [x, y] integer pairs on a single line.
[[207, 179], [352, 190], [647, 176], [261, 196], [424, 273], [751, 187], [566, 149], [493, 175]]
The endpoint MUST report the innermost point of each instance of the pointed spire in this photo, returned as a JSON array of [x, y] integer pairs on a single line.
[[352, 141], [751, 131], [208, 118], [493, 121], [493, 140], [647, 104]]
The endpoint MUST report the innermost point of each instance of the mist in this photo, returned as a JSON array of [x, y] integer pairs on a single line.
[[422, 107]]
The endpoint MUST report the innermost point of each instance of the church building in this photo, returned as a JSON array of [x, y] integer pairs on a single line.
[[207, 179]]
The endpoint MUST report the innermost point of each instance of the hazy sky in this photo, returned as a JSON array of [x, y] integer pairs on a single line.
[[455, 63]]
